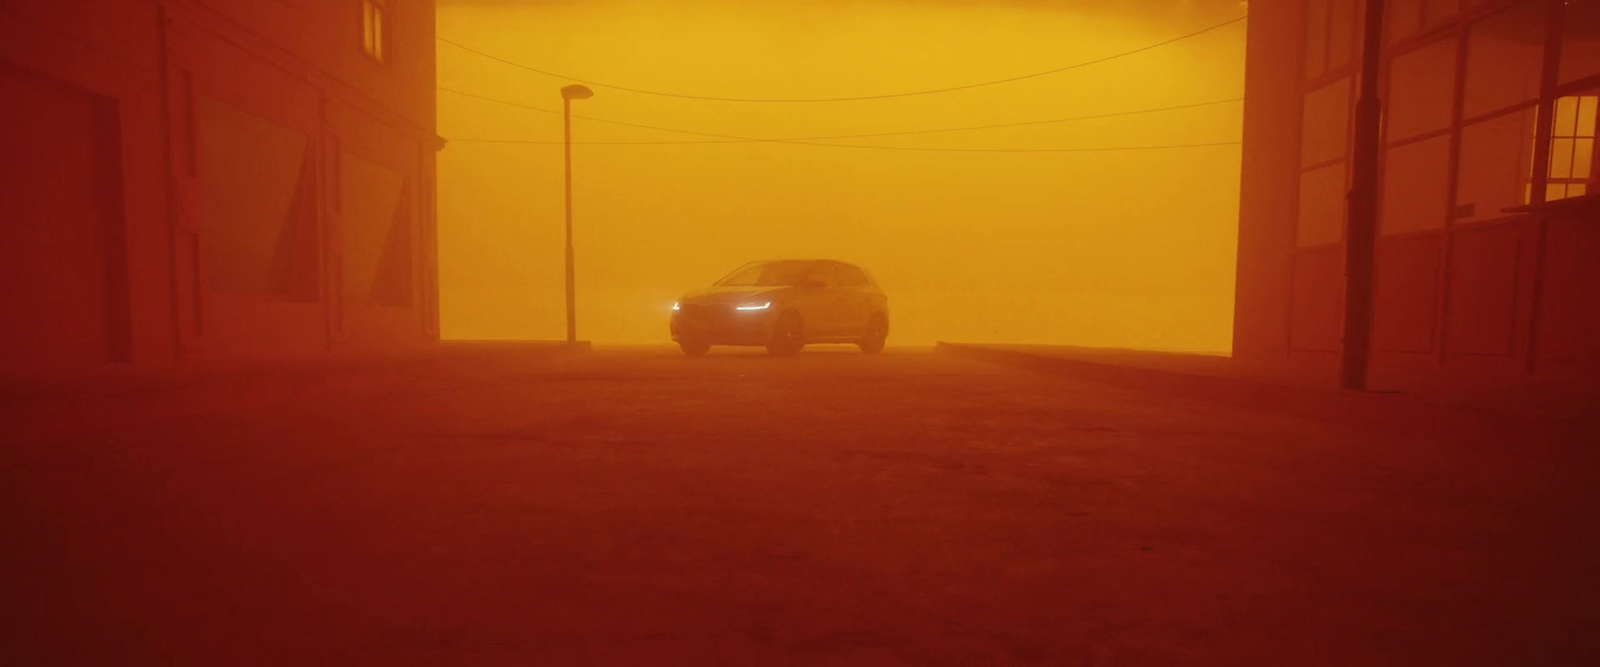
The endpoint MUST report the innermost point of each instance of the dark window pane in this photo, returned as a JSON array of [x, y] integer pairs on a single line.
[[1342, 31], [254, 176], [1505, 55], [1496, 165], [375, 229], [1403, 19], [1316, 38], [1325, 123], [1415, 179], [1580, 40], [1322, 202], [1436, 12], [1422, 86], [850, 276]]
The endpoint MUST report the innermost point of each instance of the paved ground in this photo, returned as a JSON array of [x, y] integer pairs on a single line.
[[637, 507]]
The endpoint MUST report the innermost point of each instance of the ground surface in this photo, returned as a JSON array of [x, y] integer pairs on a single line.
[[638, 507]]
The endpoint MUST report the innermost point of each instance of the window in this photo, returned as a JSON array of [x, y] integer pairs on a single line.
[[1404, 19], [375, 28], [1580, 40], [1325, 123], [1572, 149], [376, 230], [1415, 186], [765, 274], [1322, 206], [1436, 12], [1505, 56], [1330, 36], [1495, 166], [1422, 86], [258, 227], [849, 276]]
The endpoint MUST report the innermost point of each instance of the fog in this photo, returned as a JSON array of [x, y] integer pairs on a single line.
[[1124, 248]]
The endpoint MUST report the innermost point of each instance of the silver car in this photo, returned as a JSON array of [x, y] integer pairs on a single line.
[[784, 305]]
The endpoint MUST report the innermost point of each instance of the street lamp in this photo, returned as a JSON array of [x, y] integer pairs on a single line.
[[568, 94]]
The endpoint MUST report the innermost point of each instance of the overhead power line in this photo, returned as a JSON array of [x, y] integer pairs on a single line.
[[733, 139], [915, 93], [934, 149], [812, 142]]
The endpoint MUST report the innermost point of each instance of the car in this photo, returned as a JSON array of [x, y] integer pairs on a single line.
[[784, 305]]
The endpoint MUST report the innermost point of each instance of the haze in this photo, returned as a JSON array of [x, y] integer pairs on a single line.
[[1124, 248]]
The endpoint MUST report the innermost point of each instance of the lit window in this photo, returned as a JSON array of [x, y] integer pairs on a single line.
[[1572, 149], [375, 27]]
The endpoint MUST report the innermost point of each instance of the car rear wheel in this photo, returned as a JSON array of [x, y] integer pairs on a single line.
[[788, 335], [875, 336], [694, 348]]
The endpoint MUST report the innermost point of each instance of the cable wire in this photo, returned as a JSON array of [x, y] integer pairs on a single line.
[[868, 135], [816, 140], [933, 91]]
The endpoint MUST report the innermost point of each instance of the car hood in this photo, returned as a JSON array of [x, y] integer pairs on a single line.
[[734, 295]]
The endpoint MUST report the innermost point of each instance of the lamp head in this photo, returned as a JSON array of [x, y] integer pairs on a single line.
[[576, 92]]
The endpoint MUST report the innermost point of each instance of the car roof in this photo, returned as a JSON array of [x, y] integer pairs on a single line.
[[812, 260]]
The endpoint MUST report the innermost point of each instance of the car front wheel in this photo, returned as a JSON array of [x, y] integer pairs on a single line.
[[694, 348], [788, 335]]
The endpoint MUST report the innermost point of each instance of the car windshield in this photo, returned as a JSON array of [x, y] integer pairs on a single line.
[[769, 274]]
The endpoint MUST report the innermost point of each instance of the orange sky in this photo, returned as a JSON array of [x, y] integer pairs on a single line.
[[1116, 248]]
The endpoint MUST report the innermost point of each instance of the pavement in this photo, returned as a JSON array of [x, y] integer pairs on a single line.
[[635, 506], [1541, 417]]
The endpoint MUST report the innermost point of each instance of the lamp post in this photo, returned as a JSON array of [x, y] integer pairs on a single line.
[[568, 94]]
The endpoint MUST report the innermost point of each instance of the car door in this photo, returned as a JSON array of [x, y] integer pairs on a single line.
[[817, 302], [851, 300]]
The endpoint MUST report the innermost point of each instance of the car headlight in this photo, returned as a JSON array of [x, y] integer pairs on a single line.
[[753, 307], [677, 306]]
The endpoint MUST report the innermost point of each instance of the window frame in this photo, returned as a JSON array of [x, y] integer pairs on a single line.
[[1593, 136]]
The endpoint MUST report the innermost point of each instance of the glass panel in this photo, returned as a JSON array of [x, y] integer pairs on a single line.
[[1561, 153], [1583, 159], [252, 176], [1566, 124], [378, 29], [1325, 123], [1422, 87], [1341, 33], [1403, 19], [1316, 38], [372, 208], [1415, 179], [366, 26], [1588, 124], [1496, 165], [1578, 190], [1322, 206], [1436, 12], [1505, 55], [1580, 40]]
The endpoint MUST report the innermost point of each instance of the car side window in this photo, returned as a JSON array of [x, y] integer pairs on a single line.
[[849, 276], [820, 273]]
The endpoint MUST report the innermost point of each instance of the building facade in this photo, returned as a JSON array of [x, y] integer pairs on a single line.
[[1488, 255], [212, 178]]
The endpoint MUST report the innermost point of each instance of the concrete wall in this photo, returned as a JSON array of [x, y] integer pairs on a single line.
[[177, 165]]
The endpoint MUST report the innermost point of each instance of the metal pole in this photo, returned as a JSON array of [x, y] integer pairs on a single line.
[[1361, 230], [572, 308]]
